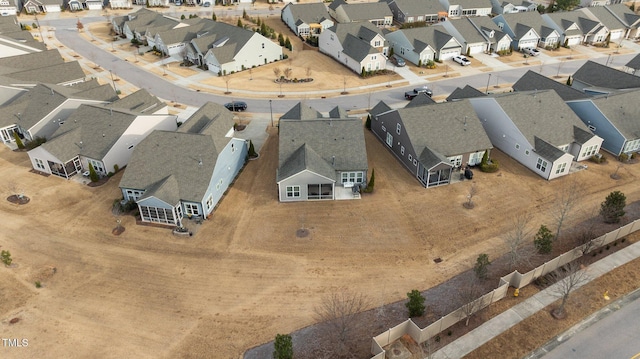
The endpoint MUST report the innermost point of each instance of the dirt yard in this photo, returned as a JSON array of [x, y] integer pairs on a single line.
[[244, 276]]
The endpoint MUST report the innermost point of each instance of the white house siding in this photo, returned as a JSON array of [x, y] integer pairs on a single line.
[[503, 44], [617, 34], [476, 48], [403, 48], [8, 10], [142, 126], [228, 165], [329, 44], [301, 179], [560, 167], [581, 152], [288, 19], [257, 51], [43, 155]]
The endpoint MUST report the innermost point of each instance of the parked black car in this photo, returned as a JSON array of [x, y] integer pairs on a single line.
[[236, 106]]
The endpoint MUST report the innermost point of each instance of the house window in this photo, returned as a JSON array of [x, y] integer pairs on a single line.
[[410, 158], [561, 168], [39, 163], [590, 151], [402, 50], [293, 191], [564, 148], [541, 165], [398, 128], [191, 209], [210, 201], [97, 166], [352, 177], [389, 140], [415, 162], [233, 148], [219, 185], [456, 161], [384, 129], [402, 150], [263, 45], [376, 44], [592, 128], [631, 146], [133, 195]]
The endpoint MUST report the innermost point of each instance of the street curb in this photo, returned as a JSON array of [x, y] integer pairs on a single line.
[[587, 322]]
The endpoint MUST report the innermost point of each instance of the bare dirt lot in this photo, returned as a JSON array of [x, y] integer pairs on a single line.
[[244, 276]]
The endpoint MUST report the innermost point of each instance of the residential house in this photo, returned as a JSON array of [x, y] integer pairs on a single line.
[[477, 35], [465, 92], [45, 66], [34, 6], [537, 129], [98, 136], [633, 65], [628, 17], [594, 3], [461, 8], [410, 11], [120, 4], [514, 6], [614, 118], [308, 19], [13, 40], [617, 27], [420, 45], [594, 78], [321, 159], [135, 25], [432, 141], [7, 8], [532, 81], [169, 184], [420, 99], [93, 4], [377, 13], [528, 29], [74, 5], [224, 48], [40, 111], [575, 28], [359, 46]]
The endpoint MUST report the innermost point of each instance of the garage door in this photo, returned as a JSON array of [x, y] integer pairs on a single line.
[[476, 48], [574, 40], [449, 53], [528, 43]]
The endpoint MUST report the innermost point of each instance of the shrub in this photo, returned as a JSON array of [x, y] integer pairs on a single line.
[[623, 157], [612, 209], [18, 140], [481, 266], [598, 158], [92, 174], [415, 304], [371, 182], [543, 240], [5, 256], [487, 165], [38, 284], [35, 143], [283, 347]]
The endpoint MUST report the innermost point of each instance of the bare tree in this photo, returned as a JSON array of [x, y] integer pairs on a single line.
[[308, 71], [227, 79], [277, 71], [339, 328], [517, 240], [473, 190], [566, 200], [567, 279], [287, 72], [14, 189], [586, 236], [470, 293]]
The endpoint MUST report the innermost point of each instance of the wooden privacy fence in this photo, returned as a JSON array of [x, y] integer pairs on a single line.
[[513, 279]]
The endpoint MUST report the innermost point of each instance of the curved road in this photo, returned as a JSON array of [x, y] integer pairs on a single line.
[[67, 34]]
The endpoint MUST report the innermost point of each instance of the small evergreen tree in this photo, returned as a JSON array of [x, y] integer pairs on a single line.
[[263, 29], [468, 51], [280, 39], [239, 24], [18, 140], [362, 73], [371, 183], [633, 7], [612, 209], [283, 347], [367, 123], [415, 304], [252, 151], [214, 17], [543, 240], [258, 21], [569, 81], [5, 256], [481, 266], [182, 17], [287, 44], [92, 174], [391, 52], [244, 14]]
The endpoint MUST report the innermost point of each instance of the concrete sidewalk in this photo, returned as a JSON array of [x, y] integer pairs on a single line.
[[501, 323]]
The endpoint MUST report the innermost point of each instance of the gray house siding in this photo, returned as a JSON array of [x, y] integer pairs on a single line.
[[614, 141], [380, 126], [229, 163]]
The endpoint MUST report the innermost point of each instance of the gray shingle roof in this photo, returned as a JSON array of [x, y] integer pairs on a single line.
[[581, 136], [301, 112], [547, 150], [155, 160], [597, 75], [436, 36], [625, 14], [468, 30], [9, 24], [420, 100], [234, 36], [604, 16], [41, 100], [565, 19], [310, 13], [379, 108], [465, 92], [338, 142], [531, 81], [55, 74], [448, 129], [356, 37], [211, 119], [419, 7], [367, 11], [338, 112], [541, 114], [623, 110], [634, 63], [140, 101]]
